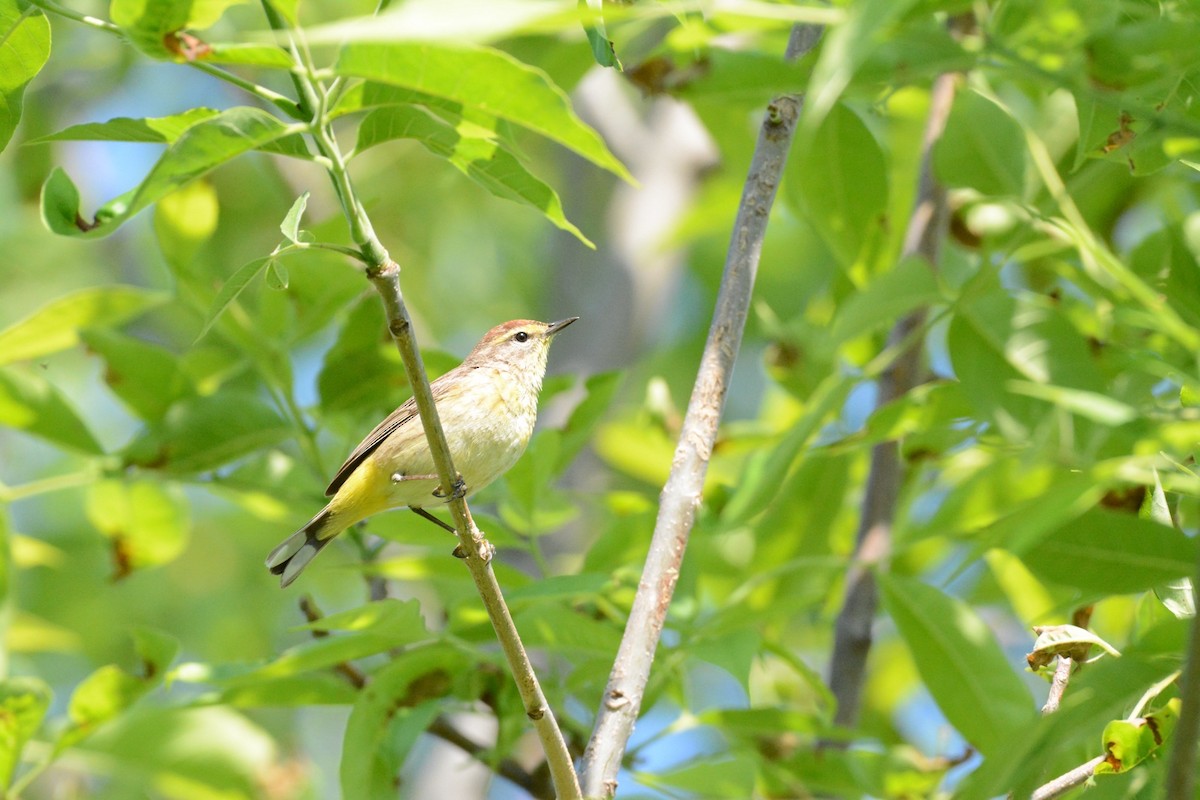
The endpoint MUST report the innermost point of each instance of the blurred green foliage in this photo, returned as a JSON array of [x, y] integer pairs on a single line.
[[176, 390]]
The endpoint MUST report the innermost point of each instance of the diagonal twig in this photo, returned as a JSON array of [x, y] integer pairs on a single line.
[[852, 632], [627, 681]]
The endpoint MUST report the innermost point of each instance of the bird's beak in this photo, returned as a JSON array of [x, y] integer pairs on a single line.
[[555, 327]]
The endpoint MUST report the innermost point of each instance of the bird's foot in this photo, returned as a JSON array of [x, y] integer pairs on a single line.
[[457, 491]]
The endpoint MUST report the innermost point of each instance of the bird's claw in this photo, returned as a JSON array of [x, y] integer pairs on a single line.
[[457, 491]]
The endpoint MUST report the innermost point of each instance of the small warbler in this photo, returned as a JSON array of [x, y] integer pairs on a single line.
[[487, 405]]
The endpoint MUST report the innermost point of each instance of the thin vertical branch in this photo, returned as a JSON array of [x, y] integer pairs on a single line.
[[1058, 686], [627, 681], [1181, 771], [852, 636], [384, 274]]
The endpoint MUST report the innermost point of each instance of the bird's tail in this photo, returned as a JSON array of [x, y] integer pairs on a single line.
[[292, 555]]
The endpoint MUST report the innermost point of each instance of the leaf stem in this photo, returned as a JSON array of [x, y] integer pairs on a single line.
[[55, 483], [71, 14], [285, 104]]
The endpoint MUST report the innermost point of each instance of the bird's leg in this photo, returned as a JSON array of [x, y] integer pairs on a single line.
[[422, 512], [400, 477], [457, 492]]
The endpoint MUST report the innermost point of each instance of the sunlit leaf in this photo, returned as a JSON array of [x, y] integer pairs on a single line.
[[397, 706], [482, 78], [234, 285], [840, 182], [56, 325], [204, 433], [24, 49], [290, 227], [962, 665], [982, 148], [147, 522], [1128, 743], [184, 220], [473, 151], [200, 149], [146, 377], [30, 403], [1112, 553], [23, 705], [125, 129], [151, 24]]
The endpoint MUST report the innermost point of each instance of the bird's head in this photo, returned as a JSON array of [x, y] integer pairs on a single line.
[[520, 343]]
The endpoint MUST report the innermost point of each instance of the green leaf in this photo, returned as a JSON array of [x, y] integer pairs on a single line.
[[982, 148], [184, 220], [1111, 553], [163, 130], [960, 662], [601, 389], [24, 50], [761, 480], [357, 373], [277, 275], [99, 698], [201, 148], [483, 79], [204, 433], [290, 227], [310, 689], [709, 777], [1128, 743], [397, 706], [1068, 641], [23, 705], [56, 325], [532, 505], [1178, 596], [733, 652], [372, 629], [1093, 405], [840, 180], [593, 25], [562, 630], [28, 402], [1102, 692], [146, 377], [155, 649], [381, 616], [904, 288], [151, 24], [234, 286], [148, 523], [474, 151]]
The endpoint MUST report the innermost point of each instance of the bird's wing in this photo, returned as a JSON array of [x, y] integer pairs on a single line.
[[406, 413]]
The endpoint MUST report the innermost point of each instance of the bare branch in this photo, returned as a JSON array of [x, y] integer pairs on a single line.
[[1067, 781], [1062, 675], [852, 637], [623, 695], [1181, 771]]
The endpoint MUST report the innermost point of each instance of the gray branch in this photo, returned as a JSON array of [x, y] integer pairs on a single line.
[[1181, 771], [852, 633], [623, 696]]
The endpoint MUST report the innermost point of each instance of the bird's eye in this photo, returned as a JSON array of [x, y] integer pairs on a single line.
[[521, 336]]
